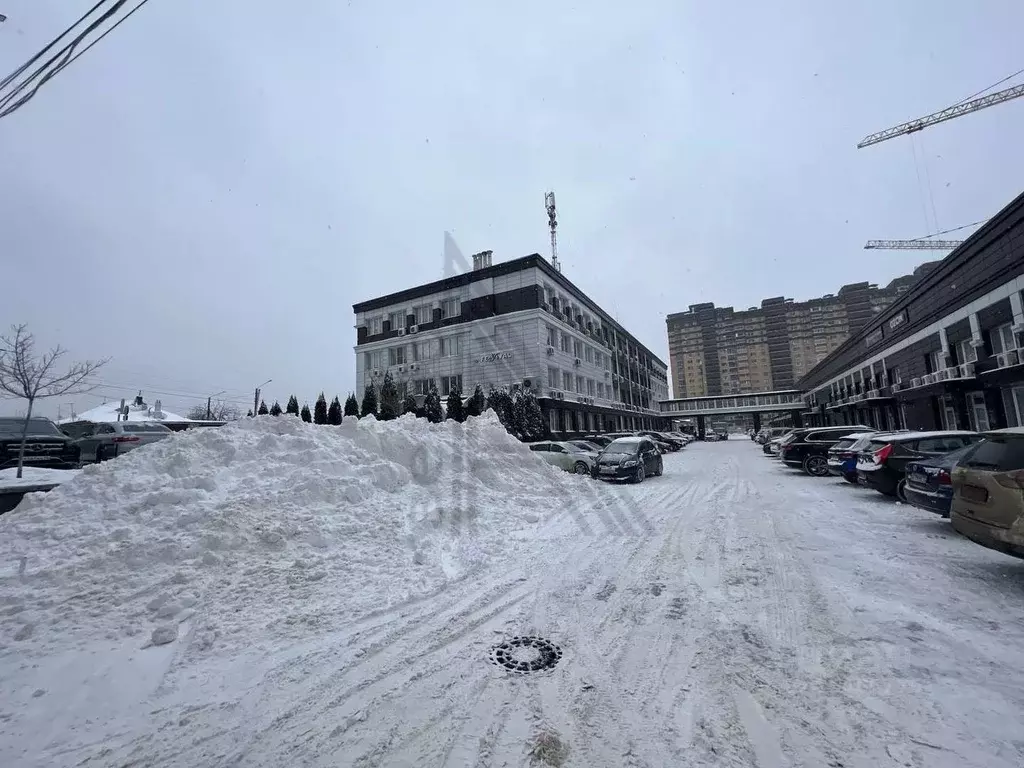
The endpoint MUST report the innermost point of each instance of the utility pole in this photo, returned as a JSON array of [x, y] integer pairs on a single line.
[[256, 399], [209, 402]]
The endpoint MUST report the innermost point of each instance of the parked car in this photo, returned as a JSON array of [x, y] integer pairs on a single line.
[[670, 443], [599, 440], [629, 458], [586, 445], [774, 435], [774, 446], [711, 437], [45, 445], [808, 448], [883, 462], [842, 457], [99, 441], [930, 481], [988, 492], [567, 456], [771, 433]]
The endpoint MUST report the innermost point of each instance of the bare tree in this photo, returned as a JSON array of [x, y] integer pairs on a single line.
[[28, 376], [219, 411]]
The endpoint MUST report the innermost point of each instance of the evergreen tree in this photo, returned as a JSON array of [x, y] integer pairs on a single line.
[[409, 404], [249, 414], [390, 402], [530, 418], [263, 411], [432, 405], [477, 403], [351, 405], [320, 410], [369, 401], [293, 406], [500, 401], [454, 405], [275, 409], [305, 414], [334, 412]]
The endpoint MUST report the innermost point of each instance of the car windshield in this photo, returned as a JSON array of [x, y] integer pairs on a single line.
[[13, 426], [997, 453], [145, 427], [623, 446], [846, 442]]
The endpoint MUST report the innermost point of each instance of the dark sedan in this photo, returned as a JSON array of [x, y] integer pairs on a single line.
[[629, 458], [929, 482], [45, 445]]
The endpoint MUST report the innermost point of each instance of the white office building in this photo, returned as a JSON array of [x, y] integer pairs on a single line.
[[515, 324]]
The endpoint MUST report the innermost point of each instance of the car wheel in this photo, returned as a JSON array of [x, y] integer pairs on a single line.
[[581, 468], [661, 468], [901, 491], [639, 476], [816, 466]]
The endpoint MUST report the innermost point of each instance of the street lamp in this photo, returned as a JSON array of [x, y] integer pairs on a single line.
[[256, 399]]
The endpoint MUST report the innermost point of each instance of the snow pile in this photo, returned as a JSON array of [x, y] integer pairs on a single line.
[[33, 476], [268, 525]]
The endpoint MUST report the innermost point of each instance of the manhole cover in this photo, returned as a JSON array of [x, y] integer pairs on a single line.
[[523, 655]]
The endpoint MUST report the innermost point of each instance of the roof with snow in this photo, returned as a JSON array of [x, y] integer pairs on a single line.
[[136, 412]]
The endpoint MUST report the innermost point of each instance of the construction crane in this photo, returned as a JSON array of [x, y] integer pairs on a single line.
[[949, 113], [912, 245]]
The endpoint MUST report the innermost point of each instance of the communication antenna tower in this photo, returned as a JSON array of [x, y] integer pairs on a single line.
[[549, 203]]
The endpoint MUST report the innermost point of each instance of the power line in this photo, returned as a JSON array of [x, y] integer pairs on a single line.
[[40, 54], [6, 105]]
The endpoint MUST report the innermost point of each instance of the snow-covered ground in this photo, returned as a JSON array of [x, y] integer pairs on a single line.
[[730, 613], [9, 480]]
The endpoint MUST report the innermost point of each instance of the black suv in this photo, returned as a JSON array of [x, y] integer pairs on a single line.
[[45, 446], [808, 448]]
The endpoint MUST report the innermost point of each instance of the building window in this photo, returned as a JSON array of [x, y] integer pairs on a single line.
[[600, 389], [423, 314], [422, 350], [579, 385], [1002, 339], [449, 346], [590, 387], [450, 383], [577, 348], [566, 345], [978, 411], [374, 325], [373, 359], [396, 356], [588, 353], [965, 352], [552, 337], [1013, 400], [397, 320], [567, 381], [422, 386], [553, 377], [450, 308], [553, 420]]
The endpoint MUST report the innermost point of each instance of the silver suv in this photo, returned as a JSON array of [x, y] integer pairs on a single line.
[[99, 441]]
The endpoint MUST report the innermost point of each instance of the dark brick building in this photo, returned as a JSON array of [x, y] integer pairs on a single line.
[[946, 353]]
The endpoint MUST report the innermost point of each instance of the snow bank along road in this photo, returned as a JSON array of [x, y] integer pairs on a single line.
[[730, 613]]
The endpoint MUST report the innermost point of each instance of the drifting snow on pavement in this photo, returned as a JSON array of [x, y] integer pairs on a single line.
[[730, 613]]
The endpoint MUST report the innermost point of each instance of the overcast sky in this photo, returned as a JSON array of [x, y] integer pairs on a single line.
[[205, 194]]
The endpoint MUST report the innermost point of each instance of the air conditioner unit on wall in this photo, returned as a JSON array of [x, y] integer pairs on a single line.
[[942, 374], [413, 328], [915, 382], [577, 361], [551, 350], [928, 378], [1012, 357], [953, 372], [401, 331], [560, 395], [1001, 360], [967, 371]]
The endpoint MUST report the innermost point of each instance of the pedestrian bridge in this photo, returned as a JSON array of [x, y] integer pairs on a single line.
[[754, 402]]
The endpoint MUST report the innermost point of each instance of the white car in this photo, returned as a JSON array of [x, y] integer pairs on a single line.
[[567, 456]]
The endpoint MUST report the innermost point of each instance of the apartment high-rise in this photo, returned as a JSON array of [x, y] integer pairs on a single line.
[[721, 351]]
